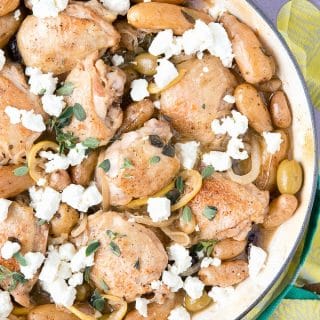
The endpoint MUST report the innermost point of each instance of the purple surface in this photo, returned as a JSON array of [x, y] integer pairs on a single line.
[[271, 9]]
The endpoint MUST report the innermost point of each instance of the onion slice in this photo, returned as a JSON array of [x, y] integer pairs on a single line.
[[177, 236]]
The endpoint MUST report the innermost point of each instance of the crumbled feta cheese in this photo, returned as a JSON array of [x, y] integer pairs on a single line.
[[179, 313], [45, 201], [172, 280], [193, 287], [61, 293], [2, 59], [159, 209], [52, 104], [188, 153], [235, 125], [139, 89], [157, 104], [6, 305], [117, 60], [117, 6], [257, 258], [235, 149], [14, 114], [76, 279], [67, 251], [64, 271], [221, 295], [56, 161], [50, 269], [166, 73], [9, 249], [80, 260], [48, 8], [217, 10], [218, 159], [273, 141], [4, 208], [208, 261], [41, 83], [34, 261], [80, 198], [180, 255], [41, 182], [77, 154], [229, 99], [32, 121], [17, 14], [142, 306], [156, 284]]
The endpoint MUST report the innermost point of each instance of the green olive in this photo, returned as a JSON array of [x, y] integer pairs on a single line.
[[146, 64], [187, 226], [198, 304], [289, 177], [83, 292]]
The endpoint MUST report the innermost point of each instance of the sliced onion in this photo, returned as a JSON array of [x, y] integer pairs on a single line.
[[121, 312], [177, 236], [253, 174], [82, 226], [147, 221], [81, 315]]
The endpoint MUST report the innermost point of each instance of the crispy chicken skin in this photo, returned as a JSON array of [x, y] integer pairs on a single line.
[[57, 44], [21, 225], [7, 6], [197, 99], [131, 174], [237, 207], [15, 140], [135, 243], [98, 88], [8, 27]]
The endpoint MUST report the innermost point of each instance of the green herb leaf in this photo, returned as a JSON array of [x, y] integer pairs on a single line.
[[186, 214], [126, 164], [115, 248], [180, 184], [92, 247], [79, 112], [105, 165], [112, 235], [65, 118], [41, 222], [169, 151], [206, 246], [91, 143], [210, 212], [203, 106], [188, 17], [42, 92], [207, 172], [66, 140], [137, 264], [97, 301], [86, 275], [173, 195], [104, 286], [21, 171], [14, 277], [21, 259], [154, 159], [66, 89]]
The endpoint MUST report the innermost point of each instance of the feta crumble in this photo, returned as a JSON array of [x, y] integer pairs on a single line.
[[79, 261], [217, 10], [229, 99], [179, 313], [273, 141], [117, 6], [194, 287], [139, 89], [180, 255], [235, 149], [48, 8], [80, 198], [257, 258], [159, 209], [34, 261], [17, 14], [157, 104], [142, 306], [218, 159], [172, 280], [221, 295], [2, 59], [4, 208], [50, 268], [117, 60], [6, 305], [156, 284], [61, 293], [76, 279], [9, 248], [208, 261], [45, 201], [14, 114], [166, 73], [52, 104], [67, 251], [188, 153]]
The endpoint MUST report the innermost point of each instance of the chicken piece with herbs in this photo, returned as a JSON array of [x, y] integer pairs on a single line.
[[197, 99], [129, 257], [21, 226], [225, 209], [82, 28], [139, 164], [15, 139], [98, 89]]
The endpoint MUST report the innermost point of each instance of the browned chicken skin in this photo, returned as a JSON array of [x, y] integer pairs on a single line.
[[15, 140], [81, 29], [7, 6], [98, 88], [197, 99], [131, 174], [237, 207], [8, 27], [117, 268], [22, 225]]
